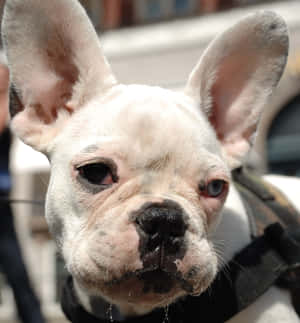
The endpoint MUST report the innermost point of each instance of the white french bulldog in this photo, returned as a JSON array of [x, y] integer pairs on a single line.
[[138, 199]]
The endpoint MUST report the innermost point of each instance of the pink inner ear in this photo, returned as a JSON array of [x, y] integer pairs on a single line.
[[52, 94], [56, 62], [54, 82], [236, 75], [230, 95]]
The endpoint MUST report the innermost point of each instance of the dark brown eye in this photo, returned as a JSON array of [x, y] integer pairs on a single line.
[[97, 174], [216, 187]]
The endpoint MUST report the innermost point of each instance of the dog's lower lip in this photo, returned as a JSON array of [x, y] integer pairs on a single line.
[[157, 280], [158, 276]]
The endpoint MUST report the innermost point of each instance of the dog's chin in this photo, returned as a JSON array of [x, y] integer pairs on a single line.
[[145, 290]]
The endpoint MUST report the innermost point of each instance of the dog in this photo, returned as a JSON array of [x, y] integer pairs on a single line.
[[140, 200]]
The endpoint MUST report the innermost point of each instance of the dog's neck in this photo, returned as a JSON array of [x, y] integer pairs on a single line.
[[234, 223]]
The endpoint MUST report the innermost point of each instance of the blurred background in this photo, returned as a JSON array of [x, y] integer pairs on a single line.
[[152, 42]]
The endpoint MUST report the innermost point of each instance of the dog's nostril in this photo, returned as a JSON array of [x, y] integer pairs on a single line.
[[162, 222]]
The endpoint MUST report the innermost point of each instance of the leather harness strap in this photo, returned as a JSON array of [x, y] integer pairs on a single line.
[[273, 257], [265, 204], [269, 205]]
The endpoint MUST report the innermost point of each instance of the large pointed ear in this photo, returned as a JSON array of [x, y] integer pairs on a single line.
[[235, 77], [56, 65]]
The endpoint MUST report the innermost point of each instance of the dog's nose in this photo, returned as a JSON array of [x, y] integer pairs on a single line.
[[162, 221], [162, 228]]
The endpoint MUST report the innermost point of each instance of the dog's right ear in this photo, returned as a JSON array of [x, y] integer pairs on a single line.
[[235, 77], [56, 65]]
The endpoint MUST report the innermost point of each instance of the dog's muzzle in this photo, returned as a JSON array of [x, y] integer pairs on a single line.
[[161, 227]]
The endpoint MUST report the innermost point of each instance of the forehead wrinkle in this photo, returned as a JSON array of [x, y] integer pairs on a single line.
[[159, 163], [89, 149]]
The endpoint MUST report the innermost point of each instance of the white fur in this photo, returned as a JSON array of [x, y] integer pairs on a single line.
[[166, 145]]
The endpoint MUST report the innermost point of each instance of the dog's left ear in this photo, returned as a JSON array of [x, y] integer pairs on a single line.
[[235, 77], [56, 65]]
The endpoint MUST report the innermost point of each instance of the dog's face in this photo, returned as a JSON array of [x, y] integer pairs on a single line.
[[139, 174], [144, 188]]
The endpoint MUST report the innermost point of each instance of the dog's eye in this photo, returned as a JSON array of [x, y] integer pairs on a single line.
[[97, 174], [216, 187]]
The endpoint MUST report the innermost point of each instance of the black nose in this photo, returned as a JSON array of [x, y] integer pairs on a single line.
[[162, 220]]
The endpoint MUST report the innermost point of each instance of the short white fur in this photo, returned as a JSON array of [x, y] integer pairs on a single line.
[[72, 108]]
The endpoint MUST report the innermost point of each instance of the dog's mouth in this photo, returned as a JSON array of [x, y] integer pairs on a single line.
[[151, 269], [160, 274], [161, 282], [156, 281], [147, 287]]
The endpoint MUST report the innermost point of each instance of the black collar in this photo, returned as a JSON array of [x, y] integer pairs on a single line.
[[252, 271]]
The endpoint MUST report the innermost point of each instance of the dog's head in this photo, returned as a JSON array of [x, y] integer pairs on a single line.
[[139, 174]]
